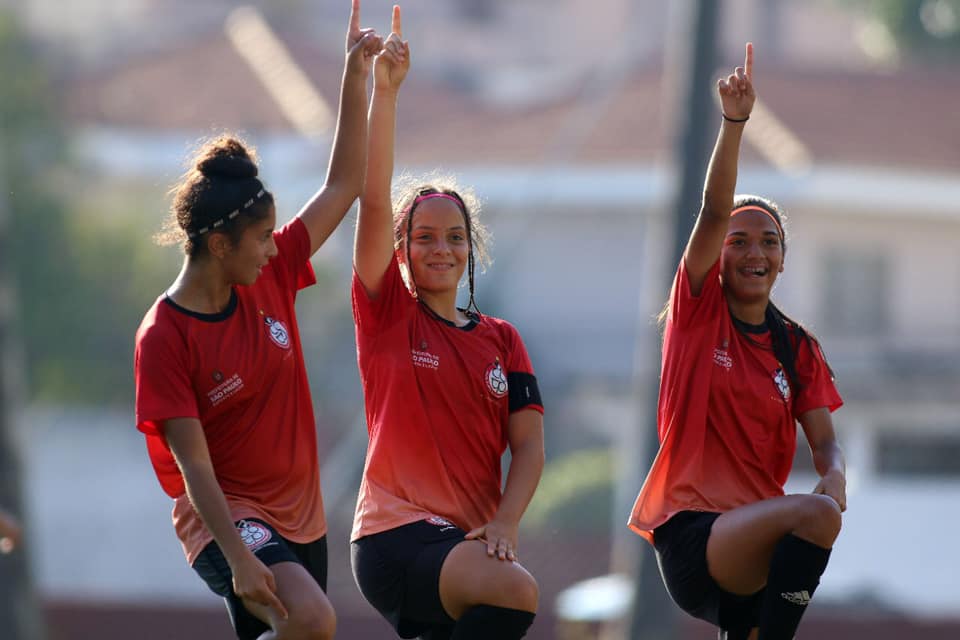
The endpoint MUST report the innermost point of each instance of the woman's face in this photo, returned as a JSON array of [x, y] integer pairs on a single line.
[[244, 261], [438, 245], [752, 256]]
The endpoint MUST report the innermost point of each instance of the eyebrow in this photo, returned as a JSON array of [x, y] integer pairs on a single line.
[[767, 232], [418, 227]]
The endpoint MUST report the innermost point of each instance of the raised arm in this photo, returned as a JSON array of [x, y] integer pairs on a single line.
[[326, 208], [373, 244], [706, 241]]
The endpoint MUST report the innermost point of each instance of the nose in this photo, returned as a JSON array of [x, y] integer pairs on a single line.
[[754, 249], [272, 248], [442, 246]]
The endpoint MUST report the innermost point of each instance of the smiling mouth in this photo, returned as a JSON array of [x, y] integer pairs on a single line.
[[754, 272]]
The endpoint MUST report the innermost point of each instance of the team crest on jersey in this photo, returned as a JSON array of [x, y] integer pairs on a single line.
[[253, 534], [496, 379], [278, 332], [783, 384], [218, 376]]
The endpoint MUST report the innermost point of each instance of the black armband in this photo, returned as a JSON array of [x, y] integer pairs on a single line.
[[523, 390]]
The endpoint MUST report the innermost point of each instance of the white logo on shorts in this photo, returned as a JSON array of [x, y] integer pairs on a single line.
[[253, 534], [801, 598]]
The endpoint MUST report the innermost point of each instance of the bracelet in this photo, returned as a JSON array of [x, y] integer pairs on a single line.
[[729, 119]]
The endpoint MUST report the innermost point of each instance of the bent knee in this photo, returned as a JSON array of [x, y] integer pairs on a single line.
[[522, 592], [315, 624], [821, 520]]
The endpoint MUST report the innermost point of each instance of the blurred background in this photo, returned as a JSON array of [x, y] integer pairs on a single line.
[[584, 126]]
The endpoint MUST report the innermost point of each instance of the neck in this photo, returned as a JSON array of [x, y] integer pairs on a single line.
[[749, 312], [444, 304], [201, 287]]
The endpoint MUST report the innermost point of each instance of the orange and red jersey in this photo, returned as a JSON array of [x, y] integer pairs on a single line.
[[241, 374], [726, 414], [437, 410]]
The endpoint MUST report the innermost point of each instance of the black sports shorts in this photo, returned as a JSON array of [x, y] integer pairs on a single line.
[[681, 544], [398, 572], [270, 547]]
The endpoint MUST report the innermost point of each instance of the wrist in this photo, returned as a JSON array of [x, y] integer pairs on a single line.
[[735, 120]]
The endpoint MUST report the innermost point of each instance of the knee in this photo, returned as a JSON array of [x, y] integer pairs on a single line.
[[319, 623], [820, 521], [523, 592]]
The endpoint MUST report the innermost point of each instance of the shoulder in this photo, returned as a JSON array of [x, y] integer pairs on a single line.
[[160, 326]]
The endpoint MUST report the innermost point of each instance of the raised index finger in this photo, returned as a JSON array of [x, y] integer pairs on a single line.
[[748, 63], [355, 16], [395, 24]]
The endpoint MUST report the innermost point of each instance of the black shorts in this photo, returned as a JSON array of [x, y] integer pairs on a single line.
[[270, 547], [681, 545], [398, 572]]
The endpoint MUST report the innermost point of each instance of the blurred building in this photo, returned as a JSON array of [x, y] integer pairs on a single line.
[[559, 115]]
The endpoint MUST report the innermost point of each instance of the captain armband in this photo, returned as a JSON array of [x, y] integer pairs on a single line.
[[523, 390]]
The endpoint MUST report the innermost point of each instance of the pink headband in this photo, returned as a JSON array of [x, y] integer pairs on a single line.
[[753, 207], [428, 196]]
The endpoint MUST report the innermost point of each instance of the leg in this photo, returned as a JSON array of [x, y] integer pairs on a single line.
[[782, 544], [311, 616], [742, 541], [488, 597]]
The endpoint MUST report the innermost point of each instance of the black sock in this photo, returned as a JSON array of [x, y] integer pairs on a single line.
[[485, 622], [795, 571]]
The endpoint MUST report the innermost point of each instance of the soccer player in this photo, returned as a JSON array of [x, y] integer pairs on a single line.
[[435, 543], [221, 388], [737, 375]]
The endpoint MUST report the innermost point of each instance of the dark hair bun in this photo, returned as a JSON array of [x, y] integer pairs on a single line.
[[227, 166]]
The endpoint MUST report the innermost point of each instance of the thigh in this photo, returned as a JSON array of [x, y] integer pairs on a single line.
[[306, 598], [313, 557], [307, 605], [398, 572], [742, 540], [470, 577]]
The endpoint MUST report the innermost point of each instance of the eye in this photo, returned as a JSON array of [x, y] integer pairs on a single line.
[[457, 237], [771, 242]]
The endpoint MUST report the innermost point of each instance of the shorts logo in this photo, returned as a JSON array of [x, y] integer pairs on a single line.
[[783, 385], [801, 598], [443, 523], [496, 379], [278, 332], [253, 534]]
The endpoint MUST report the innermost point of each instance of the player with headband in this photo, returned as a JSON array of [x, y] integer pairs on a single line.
[[737, 375], [435, 543]]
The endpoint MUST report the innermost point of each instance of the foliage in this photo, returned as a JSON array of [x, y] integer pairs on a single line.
[[575, 493]]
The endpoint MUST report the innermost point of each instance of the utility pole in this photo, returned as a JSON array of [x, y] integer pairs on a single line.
[[19, 614], [688, 77]]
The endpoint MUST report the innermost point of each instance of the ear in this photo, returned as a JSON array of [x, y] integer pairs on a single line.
[[218, 244]]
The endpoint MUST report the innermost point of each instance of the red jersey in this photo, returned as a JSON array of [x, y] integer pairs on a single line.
[[726, 416], [437, 410], [241, 373]]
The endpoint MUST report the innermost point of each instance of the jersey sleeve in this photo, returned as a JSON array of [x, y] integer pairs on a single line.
[[372, 315], [524, 392], [162, 379], [818, 389], [292, 262], [686, 309]]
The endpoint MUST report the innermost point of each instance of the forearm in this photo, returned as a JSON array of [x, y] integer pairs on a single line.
[[211, 505], [526, 467], [721, 181], [829, 457], [380, 157], [348, 154]]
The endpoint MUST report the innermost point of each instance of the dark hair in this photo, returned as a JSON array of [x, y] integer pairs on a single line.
[[405, 203], [786, 334], [219, 192]]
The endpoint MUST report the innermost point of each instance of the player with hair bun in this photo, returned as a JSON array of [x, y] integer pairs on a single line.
[[221, 387]]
